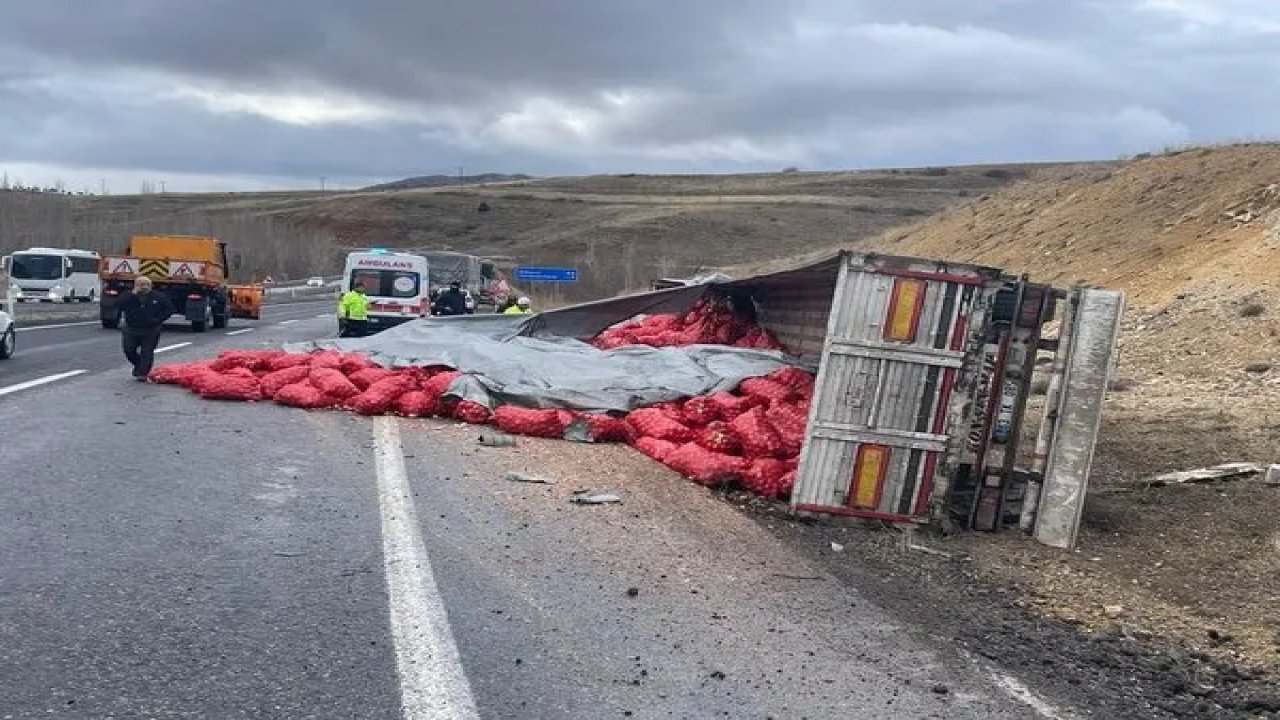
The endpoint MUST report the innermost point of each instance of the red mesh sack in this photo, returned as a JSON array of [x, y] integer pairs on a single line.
[[273, 382], [762, 476], [350, 363], [786, 483], [380, 396], [438, 385], [333, 383], [765, 390], [326, 359], [700, 410], [653, 422], [368, 376], [469, 411], [731, 406], [251, 359], [302, 395], [704, 466], [656, 323], [797, 380], [176, 373], [605, 428], [673, 410], [655, 448], [529, 421], [790, 423], [228, 386], [200, 377], [416, 403], [718, 436], [288, 360], [758, 437]]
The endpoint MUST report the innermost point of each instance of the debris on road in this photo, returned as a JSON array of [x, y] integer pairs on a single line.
[[1226, 471], [1272, 476], [497, 439], [837, 547], [594, 497], [527, 478], [633, 592]]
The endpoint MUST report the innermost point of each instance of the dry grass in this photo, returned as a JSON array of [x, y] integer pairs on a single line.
[[621, 231]]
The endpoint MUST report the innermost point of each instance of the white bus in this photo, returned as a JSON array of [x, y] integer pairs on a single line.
[[54, 274], [395, 282]]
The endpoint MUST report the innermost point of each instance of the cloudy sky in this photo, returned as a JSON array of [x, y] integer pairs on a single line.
[[253, 94]]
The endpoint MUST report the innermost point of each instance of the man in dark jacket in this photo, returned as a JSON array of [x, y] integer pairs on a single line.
[[452, 301], [144, 313]]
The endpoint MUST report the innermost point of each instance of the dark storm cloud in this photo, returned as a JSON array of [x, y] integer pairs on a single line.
[[386, 88]]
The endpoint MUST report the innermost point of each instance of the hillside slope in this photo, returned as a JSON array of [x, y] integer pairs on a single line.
[[620, 230], [1193, 237]]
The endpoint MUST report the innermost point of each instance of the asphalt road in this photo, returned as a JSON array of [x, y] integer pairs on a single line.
[[163, 557]]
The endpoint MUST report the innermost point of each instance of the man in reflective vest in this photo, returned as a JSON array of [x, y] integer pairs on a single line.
[[353, 313], [520, 308]]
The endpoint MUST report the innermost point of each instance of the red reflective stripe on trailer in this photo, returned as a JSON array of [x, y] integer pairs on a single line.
[[854, 512], [934, 276]]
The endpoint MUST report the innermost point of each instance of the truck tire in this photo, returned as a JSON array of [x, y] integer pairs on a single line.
[[110, 323], [8, 342], [199, 325], [220, 317]]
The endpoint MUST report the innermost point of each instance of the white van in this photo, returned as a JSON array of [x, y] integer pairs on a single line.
[[395, 282], [45, 274], [8, 333]]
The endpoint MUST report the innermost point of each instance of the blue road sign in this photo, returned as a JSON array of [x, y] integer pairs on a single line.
[[547, 274]]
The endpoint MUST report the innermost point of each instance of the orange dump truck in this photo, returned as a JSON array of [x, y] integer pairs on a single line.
[[191, 270]]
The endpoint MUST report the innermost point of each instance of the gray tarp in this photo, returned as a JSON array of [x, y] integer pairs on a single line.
[[502, 365]]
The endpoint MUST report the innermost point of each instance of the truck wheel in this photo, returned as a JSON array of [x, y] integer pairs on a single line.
[[110, 323], [219, 318], [203, 324], [8, 342]]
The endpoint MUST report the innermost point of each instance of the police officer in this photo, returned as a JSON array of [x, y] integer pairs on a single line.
[[353, 313], [522, 307]]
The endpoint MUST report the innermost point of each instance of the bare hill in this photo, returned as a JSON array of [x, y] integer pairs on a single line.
[[1192, 236], [423, 181], [620, 230]]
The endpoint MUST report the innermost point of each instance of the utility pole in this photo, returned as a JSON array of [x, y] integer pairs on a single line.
[[103, 183], [322, 179], [162, 188], [461, 178]]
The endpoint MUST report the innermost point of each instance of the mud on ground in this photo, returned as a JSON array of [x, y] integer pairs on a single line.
[[1168, 607]]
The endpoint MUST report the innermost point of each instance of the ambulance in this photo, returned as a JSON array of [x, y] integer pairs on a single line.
[[395, 282]]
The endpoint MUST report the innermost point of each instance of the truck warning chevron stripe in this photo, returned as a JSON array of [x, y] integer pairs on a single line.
[[155, 268]]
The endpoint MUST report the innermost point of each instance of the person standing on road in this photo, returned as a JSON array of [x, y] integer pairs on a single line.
[[522, 307], [353, 313], [144, 312], [452, 301]]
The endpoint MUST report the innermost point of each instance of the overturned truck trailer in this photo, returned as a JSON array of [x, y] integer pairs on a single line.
[[924, 378], [925, 369]]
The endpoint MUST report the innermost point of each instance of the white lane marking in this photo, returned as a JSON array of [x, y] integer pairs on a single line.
[[433, 683], [59, 325], [174, 346], [40, 381], [1015, 689], [240, 332], [288, 322], [325, 315]]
